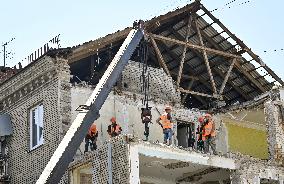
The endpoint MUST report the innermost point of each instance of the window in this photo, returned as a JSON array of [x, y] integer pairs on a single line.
[[36, 126]]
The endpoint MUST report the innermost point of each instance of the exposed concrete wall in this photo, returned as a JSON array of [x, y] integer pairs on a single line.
[[45, 81], [222, 144], [126, 110], [126, 107], [275, 127], [251, 171]]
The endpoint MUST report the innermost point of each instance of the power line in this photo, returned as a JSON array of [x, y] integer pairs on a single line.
[[227, 5], [273, 50]]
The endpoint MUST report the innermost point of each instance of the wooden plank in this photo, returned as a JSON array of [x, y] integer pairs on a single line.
[[184, 51], [243, 46], [91, 47], [220, 73], [206, 59], [175, 57], [160, 57], [185, 76], [189, 45], [227, 76], [199, 94], [237, 64]]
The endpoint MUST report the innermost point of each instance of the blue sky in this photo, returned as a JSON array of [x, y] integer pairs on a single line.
[[33, 23]]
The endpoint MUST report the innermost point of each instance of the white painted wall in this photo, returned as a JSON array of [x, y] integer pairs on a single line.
[[126, 110], [128, 114]]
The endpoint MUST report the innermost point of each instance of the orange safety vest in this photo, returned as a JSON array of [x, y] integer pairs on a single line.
[[165, 122], [116, 129], [92, 130], [208, 130]]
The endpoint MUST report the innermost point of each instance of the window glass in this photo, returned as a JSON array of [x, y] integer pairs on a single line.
[[36, 126]]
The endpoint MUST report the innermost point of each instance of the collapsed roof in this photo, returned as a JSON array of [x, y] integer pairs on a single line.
[[205, 63], [249, 76]]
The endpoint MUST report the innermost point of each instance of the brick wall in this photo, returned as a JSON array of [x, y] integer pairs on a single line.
[[251, 171], [161, 85], [119, 162], [45, 81], [274, 120]]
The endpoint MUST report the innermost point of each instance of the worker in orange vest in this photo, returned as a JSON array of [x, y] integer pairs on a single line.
[[91, 138], [165, 121], [208, 135], [114, 129], [200, 143]]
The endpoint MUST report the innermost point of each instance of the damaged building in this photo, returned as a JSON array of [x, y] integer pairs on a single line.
[[187, 59]]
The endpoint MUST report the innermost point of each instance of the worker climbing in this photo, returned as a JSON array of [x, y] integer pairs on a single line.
[[208, 135], [166, 122], [114, 129], [91, 138]]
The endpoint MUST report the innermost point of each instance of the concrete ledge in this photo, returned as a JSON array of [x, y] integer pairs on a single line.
[[166, 152]]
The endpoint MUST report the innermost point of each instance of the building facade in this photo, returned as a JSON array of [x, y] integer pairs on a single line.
[[43, 98]]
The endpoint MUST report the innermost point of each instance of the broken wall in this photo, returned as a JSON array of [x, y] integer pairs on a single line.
[[44, 81], [161, 86], [275, 127], [246, 132], [252, 171]]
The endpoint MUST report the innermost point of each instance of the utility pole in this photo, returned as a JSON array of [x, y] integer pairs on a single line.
[[5, 55]]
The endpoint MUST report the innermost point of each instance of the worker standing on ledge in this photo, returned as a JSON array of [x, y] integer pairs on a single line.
[[167, 124], [208, 135], [91, 138], [114, 129], [200, 128]]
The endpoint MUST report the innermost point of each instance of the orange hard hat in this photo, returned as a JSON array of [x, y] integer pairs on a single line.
[[113, 119], [201, 119]]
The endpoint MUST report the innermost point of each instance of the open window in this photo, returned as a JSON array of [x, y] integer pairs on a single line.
[[36, 126]]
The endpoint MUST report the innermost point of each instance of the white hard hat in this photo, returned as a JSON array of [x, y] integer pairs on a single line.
[[167, 107]]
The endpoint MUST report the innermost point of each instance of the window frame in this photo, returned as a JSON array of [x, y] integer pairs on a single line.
[[39, 118]]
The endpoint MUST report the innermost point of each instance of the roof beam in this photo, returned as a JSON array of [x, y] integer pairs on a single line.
[[199, 94], [176, 58], [160, 57], [220, 73], [92, 47], [237, 64], [242, 45], [185, 76], [155, 23], [237, 88], [206, 58], [193, 46], [184, 51], [227, 76]]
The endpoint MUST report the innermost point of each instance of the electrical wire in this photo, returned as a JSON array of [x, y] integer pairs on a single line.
[[227, 5]]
